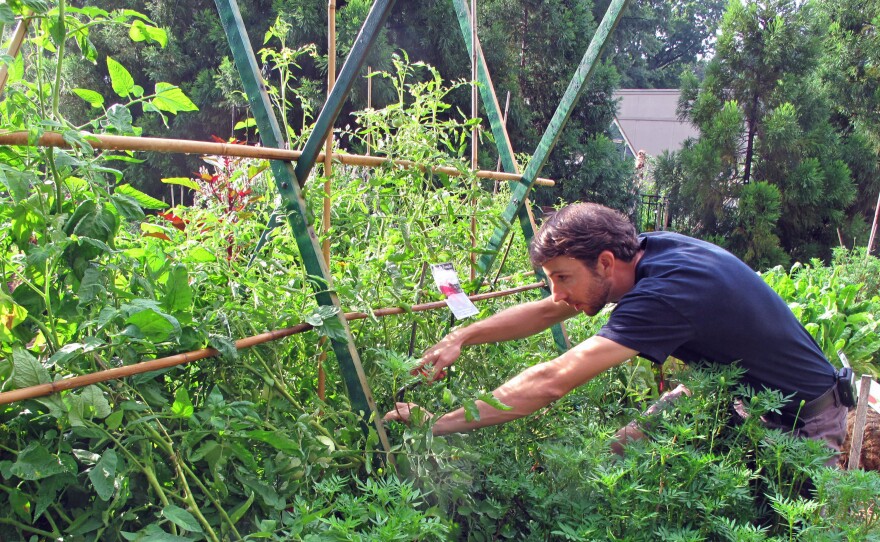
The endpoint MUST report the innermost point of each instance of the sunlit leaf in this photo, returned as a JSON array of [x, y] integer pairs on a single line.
[[171, 99], [90, 96], [182, 181], [144, 200], [182, 406], [120, 78], [140, 31]]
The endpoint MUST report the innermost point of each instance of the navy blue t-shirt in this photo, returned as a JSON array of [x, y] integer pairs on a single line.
[[697, 302]]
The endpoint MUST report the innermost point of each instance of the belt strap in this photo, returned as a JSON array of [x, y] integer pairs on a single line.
[[815, 406]]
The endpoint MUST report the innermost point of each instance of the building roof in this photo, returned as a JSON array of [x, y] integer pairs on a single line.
[[648, 121]]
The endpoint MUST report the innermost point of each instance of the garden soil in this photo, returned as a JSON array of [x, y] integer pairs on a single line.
[[870, 459]]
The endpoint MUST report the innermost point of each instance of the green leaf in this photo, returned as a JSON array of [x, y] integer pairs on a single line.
[[327, 323], [20, 504], [144, 200], [155, 326], [11, 315], [86, 47], [241, 509], [6, 14], [471, 411], [327, 441], [171, 99], [140, 31], [66, 353], [128, 207], [92, 220], [93, 397], [36, 462], [114, 420], [120, 118], [275, 439], [120, 79], [90, 96], [154, 533], [58, 29], [182, 181], [250, 122], [182, 406], [27, 370], [178, 292], [181, 518], [225, 346], [103, 475], [492, 401], [201, 255], [37, 6]]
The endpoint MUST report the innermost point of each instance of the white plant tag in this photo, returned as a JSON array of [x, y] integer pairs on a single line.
[[447, 282]]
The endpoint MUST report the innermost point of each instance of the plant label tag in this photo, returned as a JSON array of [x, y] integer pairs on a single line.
[[447, 282], [873, 394]]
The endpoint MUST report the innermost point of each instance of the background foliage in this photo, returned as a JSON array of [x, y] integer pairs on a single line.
[[97, 274]]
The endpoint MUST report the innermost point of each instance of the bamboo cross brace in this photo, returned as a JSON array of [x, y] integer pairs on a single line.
[[42, 390], [155, 144]]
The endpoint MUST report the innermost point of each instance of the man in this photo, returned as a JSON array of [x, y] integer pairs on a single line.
[[675, 296]]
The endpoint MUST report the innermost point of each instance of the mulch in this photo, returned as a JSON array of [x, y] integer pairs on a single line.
[[870, 457]]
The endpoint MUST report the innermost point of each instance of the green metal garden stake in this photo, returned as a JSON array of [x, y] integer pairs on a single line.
[[295, 208]]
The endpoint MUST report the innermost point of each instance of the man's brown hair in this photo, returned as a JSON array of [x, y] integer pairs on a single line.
[[583, 231]]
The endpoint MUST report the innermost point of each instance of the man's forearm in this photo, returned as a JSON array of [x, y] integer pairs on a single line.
[[519, 393], [514, 323], [539, 385]]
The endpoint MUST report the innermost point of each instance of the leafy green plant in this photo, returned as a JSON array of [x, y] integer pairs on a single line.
[[241, 447], [834, 310]]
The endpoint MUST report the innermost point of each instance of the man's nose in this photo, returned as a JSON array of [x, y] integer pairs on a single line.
[[558, 294]]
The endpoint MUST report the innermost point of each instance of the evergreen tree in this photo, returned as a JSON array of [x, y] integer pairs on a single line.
[[849, 70], [763, 119]]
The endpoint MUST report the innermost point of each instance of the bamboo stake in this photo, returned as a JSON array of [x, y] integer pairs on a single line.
[[474, 77], [155, 144], [873, 228], [369, 103], [328, 174], [42, 390], [855, 448], [474, 112], [14, 48], [328, 148]]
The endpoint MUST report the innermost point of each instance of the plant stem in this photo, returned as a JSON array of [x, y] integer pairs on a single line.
[[28, 528], [167, 446], [210, 496], [56, 89]]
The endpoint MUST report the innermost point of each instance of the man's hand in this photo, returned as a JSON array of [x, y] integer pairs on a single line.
[[406, 412], [440, 356]]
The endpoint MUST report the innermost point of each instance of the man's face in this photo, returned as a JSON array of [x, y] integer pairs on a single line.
[[581, 287]]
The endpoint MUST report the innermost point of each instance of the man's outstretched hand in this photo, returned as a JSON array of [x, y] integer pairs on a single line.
[[436, 359], [408, 412]]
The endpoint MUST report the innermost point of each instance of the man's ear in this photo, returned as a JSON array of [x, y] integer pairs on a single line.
[[605, 263]]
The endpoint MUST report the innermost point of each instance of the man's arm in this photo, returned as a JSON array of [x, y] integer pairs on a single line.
[[514, 323], [534, 388]]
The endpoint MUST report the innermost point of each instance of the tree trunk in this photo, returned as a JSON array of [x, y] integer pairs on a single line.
[[750, 142]]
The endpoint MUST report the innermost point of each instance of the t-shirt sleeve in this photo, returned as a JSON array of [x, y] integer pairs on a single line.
[[649, 325]]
